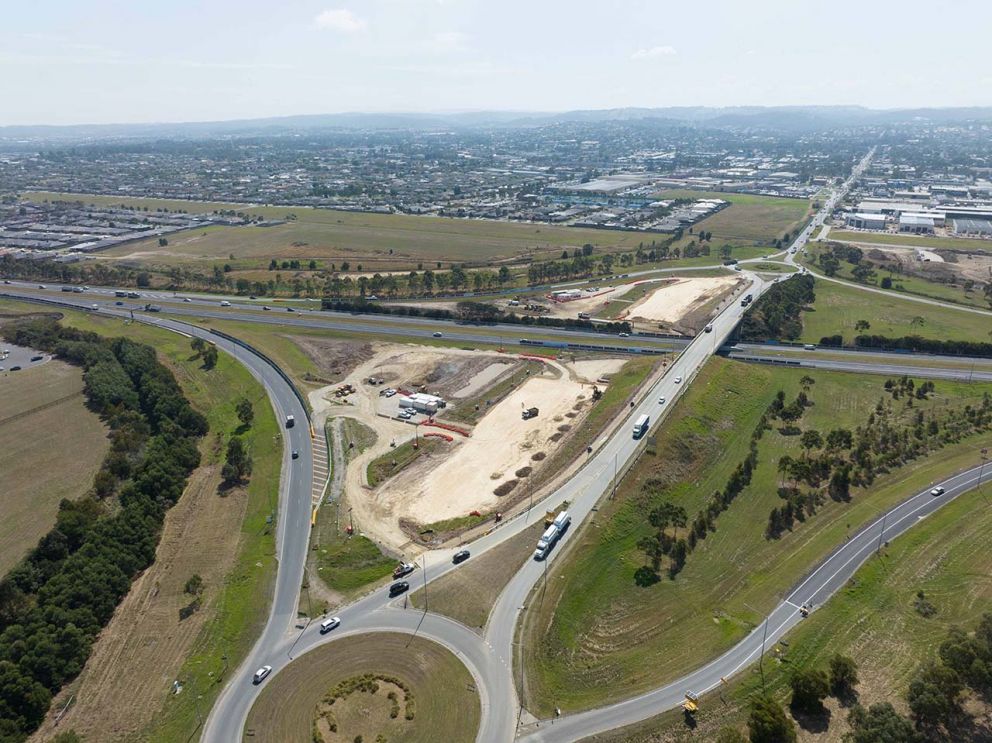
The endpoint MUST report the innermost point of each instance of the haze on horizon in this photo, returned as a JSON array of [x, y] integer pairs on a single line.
[[107, 62]]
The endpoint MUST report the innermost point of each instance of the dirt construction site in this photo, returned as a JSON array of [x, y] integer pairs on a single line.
[[676, 304], [482, 448]]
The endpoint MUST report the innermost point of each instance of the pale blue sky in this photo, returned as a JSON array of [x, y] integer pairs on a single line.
[[98, 61]]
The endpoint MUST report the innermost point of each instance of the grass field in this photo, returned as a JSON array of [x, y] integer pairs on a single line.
[[748, 218], [43, 417], [597, 637], [909, 284], [447, 705], [837, 308], [228, 541], [948, 557], [378, 241], [916, 241]]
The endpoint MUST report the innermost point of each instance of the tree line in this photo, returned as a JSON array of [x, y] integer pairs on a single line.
[[665, 516], [914, 343], [55, 601], [470, 312]]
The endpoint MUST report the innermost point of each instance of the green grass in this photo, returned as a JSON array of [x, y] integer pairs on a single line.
[[596, 637], [242, 607], [948, 556], [383, 467], [916, 241], [749, 217], [838, 307]]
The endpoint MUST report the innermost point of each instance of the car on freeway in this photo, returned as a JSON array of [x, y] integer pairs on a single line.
[[437, 334], [328, 624], [119, 303], [187, 299], [678, 380], [296, 454], [265, 308], [42, 286], [225, 303], [661, 400], [260, 675], [460, 556], [95, 306], [6, 281], [290, 309], [404, 568], [937, 491], [399, 587], [625, 335], [252, 297]]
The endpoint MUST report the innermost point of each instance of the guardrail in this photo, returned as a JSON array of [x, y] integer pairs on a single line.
[[273, 364]]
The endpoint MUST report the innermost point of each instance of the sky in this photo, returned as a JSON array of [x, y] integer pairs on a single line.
[[123, 61]]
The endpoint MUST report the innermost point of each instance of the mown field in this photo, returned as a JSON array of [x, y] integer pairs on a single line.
[[948, 557], [916, 241], [599, 637], [226, 539], [446, 703], [838, 308], [51, 446], [750, 217]]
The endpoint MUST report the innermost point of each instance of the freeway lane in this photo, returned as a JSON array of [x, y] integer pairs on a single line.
[[897, 370], [822, 583]]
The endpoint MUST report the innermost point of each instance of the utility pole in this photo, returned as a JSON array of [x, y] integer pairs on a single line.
[[881, 534]]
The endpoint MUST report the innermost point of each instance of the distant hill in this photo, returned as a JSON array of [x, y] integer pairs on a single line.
[[784, 118]]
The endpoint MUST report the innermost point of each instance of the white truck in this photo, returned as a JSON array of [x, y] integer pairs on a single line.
[[641, 426], [552, 534]]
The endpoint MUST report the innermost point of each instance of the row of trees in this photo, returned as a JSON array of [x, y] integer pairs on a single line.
[[53, 604], [470, 312], [667, 516], [833, 463], [778, 312]]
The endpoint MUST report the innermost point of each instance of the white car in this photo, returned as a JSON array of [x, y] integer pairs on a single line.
[[390, 392], [437, 334], [937, 491], [260, 674], [678, 380], [661, 400], [187, 299], [225, 303], [328, 624], [625, 335]]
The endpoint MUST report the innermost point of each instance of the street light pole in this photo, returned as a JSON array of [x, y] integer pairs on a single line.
[[881, 534]]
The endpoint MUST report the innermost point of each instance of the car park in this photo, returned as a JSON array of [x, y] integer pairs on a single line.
[[399, 587], [328, 624], [260, 674], [937, 491], [460, 556]]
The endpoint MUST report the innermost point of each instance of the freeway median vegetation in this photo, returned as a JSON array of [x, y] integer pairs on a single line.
[[630, 609]]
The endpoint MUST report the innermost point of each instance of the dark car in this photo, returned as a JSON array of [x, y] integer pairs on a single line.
[[399, 587], [37, 358], [460, 556], [15, 368], [119, 303], [290, 309], [296, 454]]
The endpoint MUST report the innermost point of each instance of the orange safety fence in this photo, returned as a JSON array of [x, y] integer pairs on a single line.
[[439, 435], [447, 427]]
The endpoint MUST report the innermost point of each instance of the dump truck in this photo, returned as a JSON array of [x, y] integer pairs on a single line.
[[529, 413]]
